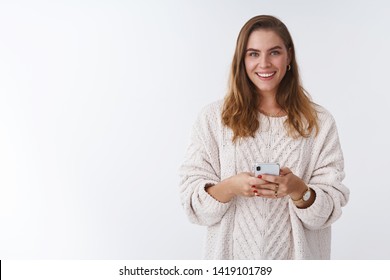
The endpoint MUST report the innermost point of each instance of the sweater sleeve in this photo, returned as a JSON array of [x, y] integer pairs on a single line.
[[326, 180], [200, 168]]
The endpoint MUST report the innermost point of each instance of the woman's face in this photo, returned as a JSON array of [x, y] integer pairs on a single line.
[[266, 60]]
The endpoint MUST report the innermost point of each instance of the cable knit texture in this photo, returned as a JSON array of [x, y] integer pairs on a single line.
[[261, 228]]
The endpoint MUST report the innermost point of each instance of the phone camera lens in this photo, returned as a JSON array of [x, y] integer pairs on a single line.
[[258, 168]]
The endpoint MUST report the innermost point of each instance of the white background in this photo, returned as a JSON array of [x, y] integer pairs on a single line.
[[97, 99]]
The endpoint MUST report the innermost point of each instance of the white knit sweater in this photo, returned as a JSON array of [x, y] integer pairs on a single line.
[[260, 228]]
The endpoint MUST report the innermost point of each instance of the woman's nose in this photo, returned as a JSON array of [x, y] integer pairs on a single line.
[[264, 61]]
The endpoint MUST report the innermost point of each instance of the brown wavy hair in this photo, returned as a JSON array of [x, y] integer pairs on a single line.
[[241, 104]]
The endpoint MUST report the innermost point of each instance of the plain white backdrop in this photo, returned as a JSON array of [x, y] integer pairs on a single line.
[[97, 99]]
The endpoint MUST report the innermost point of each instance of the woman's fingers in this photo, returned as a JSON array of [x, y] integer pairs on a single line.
[[267, 186], [268, 191], [284, 171]]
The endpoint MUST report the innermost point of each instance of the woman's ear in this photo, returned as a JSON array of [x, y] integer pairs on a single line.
[[289, 52]]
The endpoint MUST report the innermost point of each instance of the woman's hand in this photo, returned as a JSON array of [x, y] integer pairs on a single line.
[[268, 186], [242, 184], [279, 186], [245, 184]]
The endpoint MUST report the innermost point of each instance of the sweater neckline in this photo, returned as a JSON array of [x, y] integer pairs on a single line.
[[272, 117]]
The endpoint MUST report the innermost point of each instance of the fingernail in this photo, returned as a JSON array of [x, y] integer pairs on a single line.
[[253, 186], [255, 191], [259, 176]]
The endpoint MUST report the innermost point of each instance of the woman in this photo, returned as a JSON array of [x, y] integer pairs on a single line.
[[266, 117]]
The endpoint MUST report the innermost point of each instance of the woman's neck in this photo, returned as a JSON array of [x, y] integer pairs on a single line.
[[269, 107]]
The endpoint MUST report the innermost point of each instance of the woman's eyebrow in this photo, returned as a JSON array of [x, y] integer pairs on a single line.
[[275, 48], [271, 49]]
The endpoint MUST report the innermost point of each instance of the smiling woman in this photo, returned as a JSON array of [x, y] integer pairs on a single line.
[[266, 117], [266, 61]]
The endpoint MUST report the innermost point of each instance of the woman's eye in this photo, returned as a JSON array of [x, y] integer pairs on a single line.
[[275, 53], [254, 54]]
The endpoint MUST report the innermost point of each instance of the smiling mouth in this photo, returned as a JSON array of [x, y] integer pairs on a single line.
[[266, 75]]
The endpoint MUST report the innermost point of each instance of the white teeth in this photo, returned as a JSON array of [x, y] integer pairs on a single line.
[[266, 75]]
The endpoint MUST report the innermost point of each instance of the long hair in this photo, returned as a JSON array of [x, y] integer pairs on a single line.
[[240, 109]]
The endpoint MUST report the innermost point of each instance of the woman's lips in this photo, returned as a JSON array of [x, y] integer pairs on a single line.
[[268, 75]]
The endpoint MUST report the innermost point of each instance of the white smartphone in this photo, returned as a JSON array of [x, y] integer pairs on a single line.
[[267, 168]]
